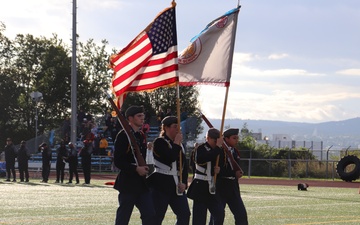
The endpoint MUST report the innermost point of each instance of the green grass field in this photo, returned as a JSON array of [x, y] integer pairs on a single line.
[[35, 203]]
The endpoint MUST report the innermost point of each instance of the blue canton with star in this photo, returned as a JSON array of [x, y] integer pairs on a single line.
[[162, 33]]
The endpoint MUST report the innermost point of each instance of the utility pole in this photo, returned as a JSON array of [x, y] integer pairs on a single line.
[[73, 79], [36, 97]]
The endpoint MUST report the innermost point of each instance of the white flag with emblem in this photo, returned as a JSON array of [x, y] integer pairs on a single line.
[[208, 58]]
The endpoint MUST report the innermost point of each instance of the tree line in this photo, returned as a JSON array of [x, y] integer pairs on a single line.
[[41, 64]]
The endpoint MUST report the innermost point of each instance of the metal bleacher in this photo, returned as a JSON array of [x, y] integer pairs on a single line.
[[99, 163], [153, 133]]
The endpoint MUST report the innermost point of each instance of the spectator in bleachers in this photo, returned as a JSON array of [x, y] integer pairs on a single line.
[[80, 119], [73, 163], [169, 112], [89, 117], [97, 139], [108, 116], [46, 161], [85, 127], [10, 156], [66, 138], [115, 127], [147, 116], [23, 158], [94, 128], [90, 137], [66, 128], [61, 156], [160, 115], [81, 115], [103, 145]]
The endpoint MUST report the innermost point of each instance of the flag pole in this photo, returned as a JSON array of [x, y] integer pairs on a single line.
[[222, 128], [224, 110], [231, 53], [178, 120]]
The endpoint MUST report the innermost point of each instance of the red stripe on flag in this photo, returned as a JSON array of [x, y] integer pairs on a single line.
[[156, 73], [128, 48], [168, 57], [154, 85]]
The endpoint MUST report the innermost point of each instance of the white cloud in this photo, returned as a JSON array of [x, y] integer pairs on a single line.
[[242, 70], [350, 72], [278, 56], [240, 58], [277, 101], [38, 17], [289, 72]]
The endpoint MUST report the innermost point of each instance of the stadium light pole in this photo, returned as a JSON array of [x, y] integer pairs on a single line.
[[73, 79], [36, 97]]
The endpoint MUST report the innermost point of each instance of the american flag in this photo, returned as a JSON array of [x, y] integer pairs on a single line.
[[150, 60]]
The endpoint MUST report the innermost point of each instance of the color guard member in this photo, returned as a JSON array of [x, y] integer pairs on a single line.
[[165, 184], [202, 189], [130, 182], [227, 185]]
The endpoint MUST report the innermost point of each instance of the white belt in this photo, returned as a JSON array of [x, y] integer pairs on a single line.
[[229, 178], [171, 171], [166, 172], [202, 177]]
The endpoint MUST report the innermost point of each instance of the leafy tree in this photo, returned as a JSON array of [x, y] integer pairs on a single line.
[[6, 49], [8, 89], [38, 64], [8, 106], [93, 76], [43, 66]]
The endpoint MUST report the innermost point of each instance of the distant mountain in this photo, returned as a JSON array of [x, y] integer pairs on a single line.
[[340, 133]]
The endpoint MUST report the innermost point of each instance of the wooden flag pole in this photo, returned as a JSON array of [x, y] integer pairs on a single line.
[[224, 111], [178, 119], [221, 128]]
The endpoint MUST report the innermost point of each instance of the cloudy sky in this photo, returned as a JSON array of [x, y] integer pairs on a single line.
[[295, 60]]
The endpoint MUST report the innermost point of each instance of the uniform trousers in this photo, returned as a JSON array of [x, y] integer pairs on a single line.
[[73, 170], [229, 193], [86, 166], [237, 207], [45, 171], [142, 201], [200, 212], [178, 204], [10, 168], [24, 170], [60, 171]]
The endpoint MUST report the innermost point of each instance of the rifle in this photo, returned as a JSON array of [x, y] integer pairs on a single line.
[[234, 164], [125, 124]]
